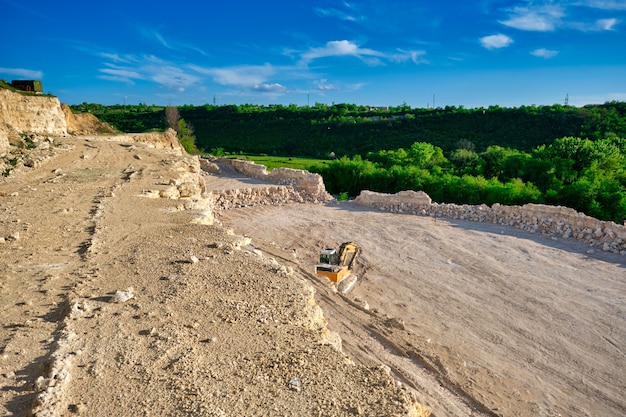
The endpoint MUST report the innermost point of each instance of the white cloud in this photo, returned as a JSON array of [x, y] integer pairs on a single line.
[[322, 85], [244, 75], [121, 73], [339, 48], [541, 19], [117, 58], [22, 73], [339, 14], [495, 41], [415, 56], [603, 4], [544, 53], [597, 26], [349, 12], [172, 77], [161, 40], [153, 35], [274, 88], [606, 24], [148, 67], [549, 16], [369, 56]]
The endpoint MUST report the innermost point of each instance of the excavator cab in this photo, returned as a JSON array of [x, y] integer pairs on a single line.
[[329, 256]]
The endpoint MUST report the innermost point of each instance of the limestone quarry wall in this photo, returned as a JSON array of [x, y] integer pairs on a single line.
[[309, 186], [536, 218], [20, 113]]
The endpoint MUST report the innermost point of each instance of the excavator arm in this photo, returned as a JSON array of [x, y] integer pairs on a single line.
[[345, 250]]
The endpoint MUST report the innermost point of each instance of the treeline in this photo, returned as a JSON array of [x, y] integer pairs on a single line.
[[589, 176], [347, 129], [560, 155]]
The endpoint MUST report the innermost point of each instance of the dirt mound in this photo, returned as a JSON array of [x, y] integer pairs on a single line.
[[85, 123]]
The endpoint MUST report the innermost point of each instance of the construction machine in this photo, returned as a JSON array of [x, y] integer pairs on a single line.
[[337, 265]]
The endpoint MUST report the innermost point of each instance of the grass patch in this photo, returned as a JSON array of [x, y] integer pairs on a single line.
[[272, 162]]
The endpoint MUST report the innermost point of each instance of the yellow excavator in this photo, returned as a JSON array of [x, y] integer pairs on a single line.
[[337, 265]]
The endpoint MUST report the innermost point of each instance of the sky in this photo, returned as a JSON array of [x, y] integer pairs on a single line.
[[368, 52]]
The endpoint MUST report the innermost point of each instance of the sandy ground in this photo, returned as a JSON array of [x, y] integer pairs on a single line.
[[115, 303], [479, 319]]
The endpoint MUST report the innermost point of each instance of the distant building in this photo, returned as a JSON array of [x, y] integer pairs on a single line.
[[34, 86]]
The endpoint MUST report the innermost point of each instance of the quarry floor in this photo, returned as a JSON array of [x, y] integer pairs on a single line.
[[469, 318], [481, 319]]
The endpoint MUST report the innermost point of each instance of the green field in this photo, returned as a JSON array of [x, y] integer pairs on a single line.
[[272, 162]]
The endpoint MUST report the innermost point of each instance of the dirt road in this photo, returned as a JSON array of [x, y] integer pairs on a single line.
[[479, 319]]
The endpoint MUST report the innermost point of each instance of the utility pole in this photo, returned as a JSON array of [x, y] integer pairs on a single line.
[[433, 101], [566, 99], [214, 101]]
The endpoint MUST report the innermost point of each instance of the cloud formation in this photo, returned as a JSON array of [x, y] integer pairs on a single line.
[[129, 69], [544, 53], [603, 4], [274, 88], [544, 18], [550, 16], [340, 48], [22, 73], [242, 75], [495, 41], [335, 13], [606, 24], [369, 56]]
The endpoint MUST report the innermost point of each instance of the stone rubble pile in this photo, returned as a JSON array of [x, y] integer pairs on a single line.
[[276, 195], [535, 218], [291, 186]]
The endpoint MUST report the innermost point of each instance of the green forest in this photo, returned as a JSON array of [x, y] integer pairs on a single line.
[[559, 155]]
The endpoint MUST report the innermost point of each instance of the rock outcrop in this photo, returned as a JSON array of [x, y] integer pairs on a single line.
[[20, 113]]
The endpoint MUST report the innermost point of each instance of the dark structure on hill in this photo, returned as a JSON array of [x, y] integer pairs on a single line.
[[33, 86]]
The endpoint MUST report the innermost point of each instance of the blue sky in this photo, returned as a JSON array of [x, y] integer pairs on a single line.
[[456, 53]]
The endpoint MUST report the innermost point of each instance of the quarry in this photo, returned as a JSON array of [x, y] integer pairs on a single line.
[[139, 280]]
